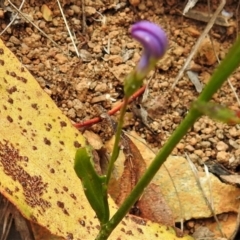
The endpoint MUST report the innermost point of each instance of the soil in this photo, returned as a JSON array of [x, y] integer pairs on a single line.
[[107, 53]]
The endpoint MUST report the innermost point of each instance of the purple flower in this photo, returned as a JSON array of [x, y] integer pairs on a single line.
[[154, 41]]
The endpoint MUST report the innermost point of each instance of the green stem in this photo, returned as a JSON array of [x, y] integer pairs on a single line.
[[117, 140], [227, 66]]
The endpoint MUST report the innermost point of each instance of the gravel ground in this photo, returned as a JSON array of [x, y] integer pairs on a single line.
[[108, 53]]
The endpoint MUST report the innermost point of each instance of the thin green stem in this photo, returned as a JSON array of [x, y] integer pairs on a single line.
[[116, 147], [149, 174], [227, 66]]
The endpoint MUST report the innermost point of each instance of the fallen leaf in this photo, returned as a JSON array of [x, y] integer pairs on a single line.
[[180, 190], [47, 13], [152, 204], [134, 167], [207, 52], [37, 149]]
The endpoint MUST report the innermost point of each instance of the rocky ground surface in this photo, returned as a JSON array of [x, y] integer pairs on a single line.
[[78, 81]]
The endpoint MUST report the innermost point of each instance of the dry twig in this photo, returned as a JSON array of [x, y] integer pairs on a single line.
[[68, 29]]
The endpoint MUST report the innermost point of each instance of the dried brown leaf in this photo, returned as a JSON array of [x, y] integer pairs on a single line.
[[153, 206]]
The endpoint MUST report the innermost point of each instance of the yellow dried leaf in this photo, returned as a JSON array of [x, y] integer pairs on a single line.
[[37, 150], [47, 13]]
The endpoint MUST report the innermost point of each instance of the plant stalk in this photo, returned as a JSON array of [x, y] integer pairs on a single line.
[[226, 67]]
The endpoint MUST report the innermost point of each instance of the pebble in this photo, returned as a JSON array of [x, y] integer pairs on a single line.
[[101, 87], [14, 40], [77, 104], [76, 9], [223, 156], [189, 148], [199, 152], [233, 132], [89, 11], [61, 58], [71, 113], [221, 146], [205, 144]]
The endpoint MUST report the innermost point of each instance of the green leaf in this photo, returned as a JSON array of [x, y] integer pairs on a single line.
[[94, 185], [217, 112]]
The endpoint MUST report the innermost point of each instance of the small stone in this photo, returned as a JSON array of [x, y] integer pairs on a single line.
[[134, 2], [61, 58], [205, 144], [233, 132], [71, 113], [207, 130], [14, 40], [192, 141], [190, 224], [199, 153], [189, 148], [77, 104], [76, 9], [101, 87], [234, 144], [165, 62], [221, 146], [223, 156], [180, 146], [178, 51], [89, 11]]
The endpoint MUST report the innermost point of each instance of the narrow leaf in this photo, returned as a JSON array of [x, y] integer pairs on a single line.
[[218, 112], [94, 185]]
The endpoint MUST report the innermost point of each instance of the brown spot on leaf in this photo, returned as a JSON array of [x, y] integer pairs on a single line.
[[1, 51], [24, 80], [13, 74], [34, 219], [33, 186], [60, 204], [70, 236], [47, 141], [77, 144], [129, 232], [12, 90], [65, 188], [8, 191], [52, 170], [34, 147], [10, 100], [82, 222], [63, 124], [9, 119], [35, 106], [1, 62], [65, 212], [73, 196]]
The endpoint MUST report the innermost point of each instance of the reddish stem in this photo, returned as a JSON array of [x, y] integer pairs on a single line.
[[112, 111]]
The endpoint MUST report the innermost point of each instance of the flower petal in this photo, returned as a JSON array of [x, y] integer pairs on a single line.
[[152, 37]]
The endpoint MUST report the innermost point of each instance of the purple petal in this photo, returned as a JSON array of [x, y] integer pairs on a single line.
[[153, 39]]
